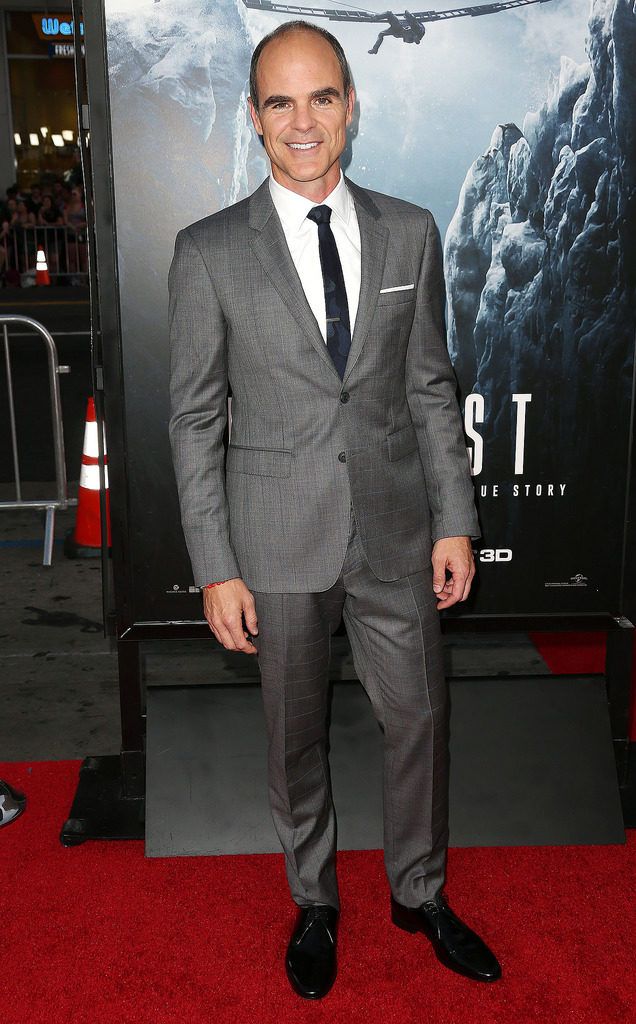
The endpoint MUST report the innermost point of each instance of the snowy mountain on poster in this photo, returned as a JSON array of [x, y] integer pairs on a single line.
[[178, 86], [181, 67], [539, 255]]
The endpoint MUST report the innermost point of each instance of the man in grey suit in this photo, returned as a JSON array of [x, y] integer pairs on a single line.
[[345, 491]]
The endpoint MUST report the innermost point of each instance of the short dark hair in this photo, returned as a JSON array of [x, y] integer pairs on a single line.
[[300, 26]]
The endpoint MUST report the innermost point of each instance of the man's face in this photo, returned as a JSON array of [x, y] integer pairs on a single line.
[[303, 114]]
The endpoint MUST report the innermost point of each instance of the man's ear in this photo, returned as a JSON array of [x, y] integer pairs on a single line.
[[351, 102], [256, 121]]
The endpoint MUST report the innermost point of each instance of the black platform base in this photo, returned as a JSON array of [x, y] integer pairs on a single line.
[[109, 802]]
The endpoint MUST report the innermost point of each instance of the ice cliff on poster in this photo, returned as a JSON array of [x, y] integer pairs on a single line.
[[540, 262], [178, 85]]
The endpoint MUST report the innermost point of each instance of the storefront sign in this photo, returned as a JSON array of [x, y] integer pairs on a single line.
[[53, 27]]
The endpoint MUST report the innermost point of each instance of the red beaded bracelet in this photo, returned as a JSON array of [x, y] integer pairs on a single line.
[[208, 585]]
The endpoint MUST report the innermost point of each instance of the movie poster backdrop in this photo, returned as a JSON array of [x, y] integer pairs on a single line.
[[516, 129]]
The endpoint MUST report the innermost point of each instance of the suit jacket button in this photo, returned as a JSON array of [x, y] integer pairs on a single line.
[[344, 397], [342, 457]]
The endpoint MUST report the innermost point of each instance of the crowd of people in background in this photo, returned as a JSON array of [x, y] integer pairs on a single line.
[[49, 215]]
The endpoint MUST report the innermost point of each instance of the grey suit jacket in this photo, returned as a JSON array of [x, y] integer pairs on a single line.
[[305, 445]]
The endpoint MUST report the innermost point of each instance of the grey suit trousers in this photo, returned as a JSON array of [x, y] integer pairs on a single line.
[[393, 628]]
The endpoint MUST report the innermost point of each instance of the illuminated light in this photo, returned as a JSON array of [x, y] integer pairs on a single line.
[[57, 140], [55, 27], [50, 26], [67, 134], [34, 138], [17, 138], [44, 132]]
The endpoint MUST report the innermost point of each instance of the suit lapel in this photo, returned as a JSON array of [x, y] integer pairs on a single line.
[[374, 240], [270, 248]]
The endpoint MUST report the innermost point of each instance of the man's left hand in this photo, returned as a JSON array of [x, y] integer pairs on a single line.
[[454, 554]]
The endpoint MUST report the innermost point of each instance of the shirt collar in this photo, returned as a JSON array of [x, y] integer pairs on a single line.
[[293, 208]]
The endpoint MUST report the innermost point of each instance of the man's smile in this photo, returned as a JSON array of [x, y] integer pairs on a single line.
[[302, 145]]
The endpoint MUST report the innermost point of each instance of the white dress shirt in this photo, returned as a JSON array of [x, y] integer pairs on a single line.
[[301, 236]]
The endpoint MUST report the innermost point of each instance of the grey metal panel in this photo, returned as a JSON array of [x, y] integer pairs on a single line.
[[531, 764]]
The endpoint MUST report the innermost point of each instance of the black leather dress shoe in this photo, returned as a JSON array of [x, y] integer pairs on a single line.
[[455, 944], [311, 954]]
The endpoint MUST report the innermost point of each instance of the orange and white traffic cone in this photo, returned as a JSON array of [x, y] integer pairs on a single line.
[[41, 268], [85, 541]]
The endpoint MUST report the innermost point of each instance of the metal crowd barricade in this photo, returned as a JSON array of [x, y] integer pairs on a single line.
[[61, 500], [64, 247]]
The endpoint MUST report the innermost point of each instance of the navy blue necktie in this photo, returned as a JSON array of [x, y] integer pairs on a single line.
[[336, 305]]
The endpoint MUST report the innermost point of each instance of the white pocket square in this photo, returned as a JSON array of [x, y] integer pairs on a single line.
[[397, 288]]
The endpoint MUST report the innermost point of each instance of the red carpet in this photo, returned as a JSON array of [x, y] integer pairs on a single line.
[[99, 935], [572, 653]]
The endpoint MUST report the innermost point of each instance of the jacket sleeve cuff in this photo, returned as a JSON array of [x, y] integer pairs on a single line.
[[455, 528]]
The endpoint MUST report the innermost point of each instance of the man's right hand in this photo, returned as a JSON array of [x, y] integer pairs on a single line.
[[224, 607]]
